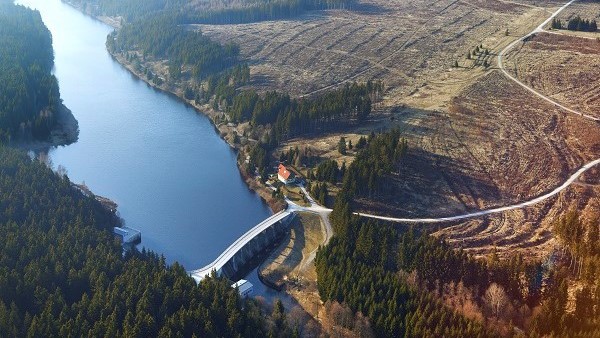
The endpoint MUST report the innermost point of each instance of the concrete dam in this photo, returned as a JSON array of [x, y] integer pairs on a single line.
[[243, 251]]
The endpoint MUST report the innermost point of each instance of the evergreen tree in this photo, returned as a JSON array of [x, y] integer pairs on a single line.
[[342, 146]]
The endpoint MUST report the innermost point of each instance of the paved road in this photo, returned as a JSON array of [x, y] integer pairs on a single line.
[[567, 183], [315, 208]]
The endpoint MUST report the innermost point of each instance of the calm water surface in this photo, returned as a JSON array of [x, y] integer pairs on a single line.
[[171, 175]]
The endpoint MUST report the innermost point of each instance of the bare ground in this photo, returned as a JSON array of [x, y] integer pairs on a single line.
[[562, 67], [292, 263], [411, 46]]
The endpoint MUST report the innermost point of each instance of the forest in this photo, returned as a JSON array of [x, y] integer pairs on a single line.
[[358, 268], [213, 12], [380, 157], [409, 283], [129, 10], [29, 94], [160, 36], [264, 11], [62, 272], [292, 117]]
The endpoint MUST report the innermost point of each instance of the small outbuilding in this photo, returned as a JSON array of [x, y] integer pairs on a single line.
[[245, 288], [284, 175]]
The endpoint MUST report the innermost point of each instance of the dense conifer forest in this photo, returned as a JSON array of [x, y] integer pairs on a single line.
[[411, 284], [29, 94], [264, 11], [293, 117], [160, 36], [62, 272]]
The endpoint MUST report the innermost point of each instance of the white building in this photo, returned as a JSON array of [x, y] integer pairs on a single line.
[[245, 288]]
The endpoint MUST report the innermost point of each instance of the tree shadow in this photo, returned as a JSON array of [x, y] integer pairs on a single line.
[[431, 185]]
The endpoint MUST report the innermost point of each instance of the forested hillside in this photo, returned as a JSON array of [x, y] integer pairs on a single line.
[[414, 285], [411, 284], [62, 272], [160, 36], [29, 94]]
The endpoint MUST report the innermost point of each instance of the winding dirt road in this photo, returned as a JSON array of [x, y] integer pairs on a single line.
[[528, 203]]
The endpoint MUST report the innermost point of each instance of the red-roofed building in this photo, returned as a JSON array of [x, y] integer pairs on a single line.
[[285, 175]]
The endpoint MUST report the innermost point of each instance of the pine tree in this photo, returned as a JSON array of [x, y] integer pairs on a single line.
[[342, 145]]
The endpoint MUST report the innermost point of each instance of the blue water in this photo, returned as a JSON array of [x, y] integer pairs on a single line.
[[158, 159]]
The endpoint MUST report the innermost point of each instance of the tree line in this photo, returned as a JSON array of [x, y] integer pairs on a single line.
[[292, 117], [215, 12], [576, 24], [130, 10], [264, 11], [380, 158], [29, 93], [580, 241], [161, 36]]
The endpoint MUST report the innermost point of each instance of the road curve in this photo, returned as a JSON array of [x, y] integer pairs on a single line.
[[315, 208], [536, 200], [539, 29], [491, 211]]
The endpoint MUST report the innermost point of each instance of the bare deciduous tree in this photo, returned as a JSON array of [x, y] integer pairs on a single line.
[[496, 298]]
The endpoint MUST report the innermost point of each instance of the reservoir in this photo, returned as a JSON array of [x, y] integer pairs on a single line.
[[157, 158]]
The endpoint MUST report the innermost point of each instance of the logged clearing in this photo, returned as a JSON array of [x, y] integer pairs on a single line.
[[526, 231], [562, 67], [410, 45], [476, 139]]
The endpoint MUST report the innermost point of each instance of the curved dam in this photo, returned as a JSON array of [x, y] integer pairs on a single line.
[[244, 250]]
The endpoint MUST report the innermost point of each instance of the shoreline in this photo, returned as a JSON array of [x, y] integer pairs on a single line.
[[223, 130], [64, 133]]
